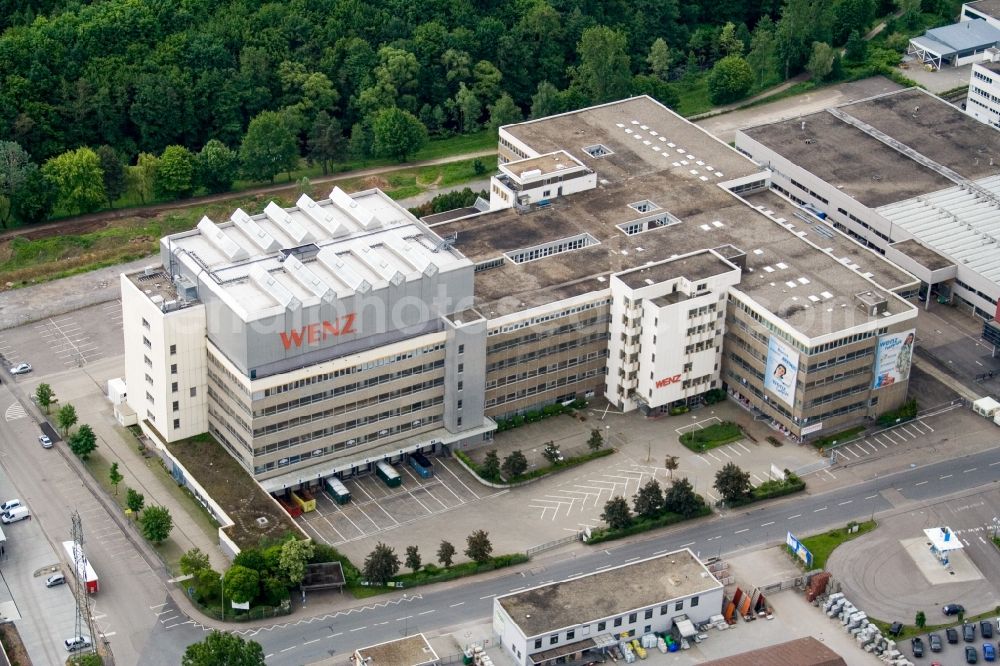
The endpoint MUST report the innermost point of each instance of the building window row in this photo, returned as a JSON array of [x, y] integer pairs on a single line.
[[546, 351], [555, 367], [985, 95], [545, 386], [520, 340], [806, 189], [233, 381], [548, 317], [863, 225], [700, 346], [971, 290], [348, 388], [840, 360], [982, 77], [364, 367], [509, 146], [224, 406], [837, 395], [839, 377], [351, 443], [703, 310], [554, 247], [697, 381]]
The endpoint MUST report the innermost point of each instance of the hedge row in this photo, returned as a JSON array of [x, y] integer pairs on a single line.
[[435, 574], [639, 525], [771, 489], [533, 415], [535, 473]]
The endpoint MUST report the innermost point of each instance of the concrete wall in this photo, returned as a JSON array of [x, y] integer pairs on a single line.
[[464, 371]]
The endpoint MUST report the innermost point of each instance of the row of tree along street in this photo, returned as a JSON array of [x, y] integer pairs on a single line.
[[191, 96]]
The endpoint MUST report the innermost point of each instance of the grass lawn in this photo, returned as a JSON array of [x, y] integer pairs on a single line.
[[693, 96], [712, 436], [821, 545], [233, 490], [842, 436]]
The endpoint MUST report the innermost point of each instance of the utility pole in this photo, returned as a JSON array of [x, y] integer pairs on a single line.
[[84, 621]]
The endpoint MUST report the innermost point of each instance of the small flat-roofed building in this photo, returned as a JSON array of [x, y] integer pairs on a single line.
[[410, 651], [908, 175], [986, 10], [800, 652], [559, 622], [956, 44], [983, 102]]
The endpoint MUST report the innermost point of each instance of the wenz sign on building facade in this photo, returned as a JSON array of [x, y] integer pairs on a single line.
[[314, 334]]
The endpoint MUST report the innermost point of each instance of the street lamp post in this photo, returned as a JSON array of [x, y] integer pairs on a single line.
[[222, 591], [873, 498]]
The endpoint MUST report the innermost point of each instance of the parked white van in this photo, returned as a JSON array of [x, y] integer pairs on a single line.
[[15, 514]]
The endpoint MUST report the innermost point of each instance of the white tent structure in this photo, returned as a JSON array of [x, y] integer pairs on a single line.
[[943, 541]]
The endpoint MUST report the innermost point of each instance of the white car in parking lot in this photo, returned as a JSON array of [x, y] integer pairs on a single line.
[[46, 442], [77, 643], [20, 369]]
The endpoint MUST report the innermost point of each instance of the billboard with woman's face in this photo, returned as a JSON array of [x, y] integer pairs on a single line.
[[893, 356], [781, 370]]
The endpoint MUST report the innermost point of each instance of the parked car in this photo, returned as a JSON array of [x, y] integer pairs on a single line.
[[14, 515], [985, 629], [10, 504], [952, 635], [917, 645], [969, 632], [55, 579], [21, 369], [46, 442], [989, 652], [953, 609], [971, 656], [934, 642], [77, 643]]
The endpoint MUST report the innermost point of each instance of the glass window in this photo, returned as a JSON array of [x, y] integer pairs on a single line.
[[679, 605], [538, 643], [632, 617], [553, 639], [694, 601], [601, 626], [648, 614], [194, 391], [618, 622], [570, 635], [173, 349]]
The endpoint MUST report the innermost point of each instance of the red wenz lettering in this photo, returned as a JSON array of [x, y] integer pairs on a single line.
[[667, 381], [316, 333]]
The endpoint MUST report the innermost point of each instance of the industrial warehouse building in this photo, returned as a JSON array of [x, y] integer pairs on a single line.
[[907, 174], [569, 620], [625, 253]]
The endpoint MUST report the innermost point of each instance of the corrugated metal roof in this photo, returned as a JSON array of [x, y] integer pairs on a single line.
[[950, 39], [801, 652]]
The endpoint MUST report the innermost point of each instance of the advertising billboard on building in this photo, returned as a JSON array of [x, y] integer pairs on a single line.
[[781, 371], [892, 358]]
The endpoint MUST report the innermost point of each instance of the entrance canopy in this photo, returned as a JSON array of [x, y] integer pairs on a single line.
[[943, 539]]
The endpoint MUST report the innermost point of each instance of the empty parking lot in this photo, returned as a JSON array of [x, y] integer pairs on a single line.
[[375, 508]]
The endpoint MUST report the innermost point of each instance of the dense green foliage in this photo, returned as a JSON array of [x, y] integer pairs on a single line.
[[905, 413], [221, 647], [711, 436]]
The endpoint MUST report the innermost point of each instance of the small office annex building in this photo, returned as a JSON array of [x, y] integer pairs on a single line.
[[560, 622], [624, 253]]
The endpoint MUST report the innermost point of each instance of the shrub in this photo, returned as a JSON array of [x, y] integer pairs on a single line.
[[905, 413], [712, 436], [642, 525]]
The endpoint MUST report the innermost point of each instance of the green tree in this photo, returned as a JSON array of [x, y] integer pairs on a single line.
[[216, 166], [671, 463], [490, 469], [269, 147], [655, 87], [730, 79], [222, 648], [44, 396], [729, 43], [66, 418], [114, 173], [360, 143], [326, 140], [920, 620], [141, 178], [114, 476], [242, 584], [446, 553], [83, 442], [194, 561], [478, 547], [78, 179], [156, 523], [802, 23], [545, 101], [551, 453], [732, 482], [134, 500], [616, 513], [295, 555], [603, 74], [659, 59], [397, 133], [504, 112], [596, 440], [14, 163], [648, 502], [763, 55], [381, 564], [681, 499], [852, 16], [486, 80], [468, 107], [176, 175], [857, 48], [413, 558], [34, 200], [821, 61], [514, 465]]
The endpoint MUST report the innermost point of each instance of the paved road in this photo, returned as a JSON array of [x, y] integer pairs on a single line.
[[386, 618]]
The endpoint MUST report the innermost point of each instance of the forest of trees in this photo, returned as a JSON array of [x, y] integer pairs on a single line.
[[188, 95]]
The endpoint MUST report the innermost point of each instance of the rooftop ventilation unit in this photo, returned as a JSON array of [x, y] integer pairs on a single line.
[[284, 221], [598, 150], [304, 276], [253, 231], [365, 218], [871, 302], [274, 289], [323, 218], [232, 250]]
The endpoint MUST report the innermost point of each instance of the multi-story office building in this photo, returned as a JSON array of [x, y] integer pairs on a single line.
[[983, 102], [625, 254], [905, 173]]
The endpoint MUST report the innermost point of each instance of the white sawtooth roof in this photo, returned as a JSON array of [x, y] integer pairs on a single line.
[[958, 223]]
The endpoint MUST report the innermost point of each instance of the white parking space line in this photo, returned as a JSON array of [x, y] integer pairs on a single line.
[[869, 444], [732, 450], [882, 442], [926, 426], [897, 436], [847, 449], [417, 499], [878, 442], [829, 473], [742, 447], [433, 497], [912, 434], [757, 478], [702, 458], [724, 453], [713, 457], [471, 492]]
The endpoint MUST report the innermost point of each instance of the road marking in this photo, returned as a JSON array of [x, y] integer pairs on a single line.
[[661, 552], [517, 589], [734, 451], [687, 544], [358, 629], [293, 647], [426, 612], [714, 538], [971, 469], [845, 502], [339, 633], [742, 447], [798, 515], [829, 473], [995, 463], [766, 524], [112, 633], [745, 529], [926, 426], [315, 640], [919, 483], [488, 596], [458, 604], [946, 476], [400, 619], [605, 566], [820, 509], [872, 496]]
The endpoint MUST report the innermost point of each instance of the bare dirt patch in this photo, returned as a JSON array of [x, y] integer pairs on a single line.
[[233, 489], [13, 645]]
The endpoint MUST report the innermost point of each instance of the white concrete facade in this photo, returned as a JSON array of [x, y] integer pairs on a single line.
[[983, 102]]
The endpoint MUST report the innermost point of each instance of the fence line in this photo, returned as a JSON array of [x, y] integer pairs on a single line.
[[552, 544]]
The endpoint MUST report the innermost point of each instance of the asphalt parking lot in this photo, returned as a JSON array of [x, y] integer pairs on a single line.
[[885, 440], [66, 341], [376, 508]]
